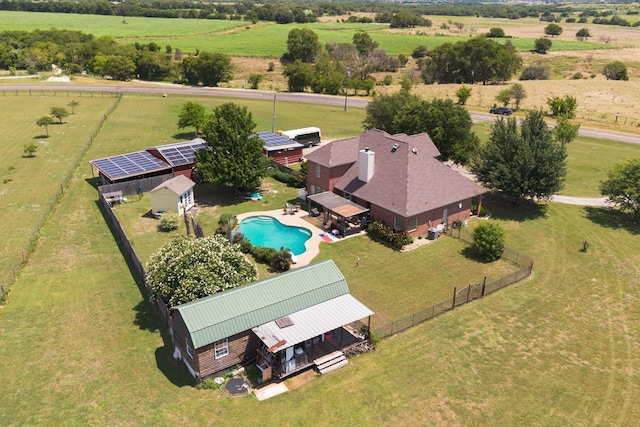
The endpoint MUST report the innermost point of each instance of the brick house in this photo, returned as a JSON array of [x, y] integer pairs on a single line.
[[397, 177]]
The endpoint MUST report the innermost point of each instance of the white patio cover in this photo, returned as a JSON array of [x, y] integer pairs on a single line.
[[313, 321]]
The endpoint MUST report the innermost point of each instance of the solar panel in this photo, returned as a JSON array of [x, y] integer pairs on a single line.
[[118, 167], [183, 153], [272, 140]]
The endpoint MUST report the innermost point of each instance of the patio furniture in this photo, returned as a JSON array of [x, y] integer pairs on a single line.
[[314, 212]]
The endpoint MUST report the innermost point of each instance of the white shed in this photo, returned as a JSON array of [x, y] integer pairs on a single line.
[[175, 194]]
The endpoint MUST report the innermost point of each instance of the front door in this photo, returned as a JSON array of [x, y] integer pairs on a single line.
[[445, 216]]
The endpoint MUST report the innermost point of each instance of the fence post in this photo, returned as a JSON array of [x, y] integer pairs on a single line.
[[484, 284], [453, 305], [468, 292]]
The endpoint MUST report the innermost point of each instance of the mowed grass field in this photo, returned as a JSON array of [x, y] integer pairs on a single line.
[[80, 345], [29, 185]]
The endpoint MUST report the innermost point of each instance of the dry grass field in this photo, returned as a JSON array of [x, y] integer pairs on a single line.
[[602, 103]]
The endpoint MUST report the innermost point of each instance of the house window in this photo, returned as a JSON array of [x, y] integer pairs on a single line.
[[189, 351], [413, 223], [398, 223], [221, 348], [318, 169]]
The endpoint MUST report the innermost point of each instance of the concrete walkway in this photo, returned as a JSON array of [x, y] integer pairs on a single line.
[[582, 201]]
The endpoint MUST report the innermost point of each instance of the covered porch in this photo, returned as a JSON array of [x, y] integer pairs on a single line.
[[340, 216], [300, 340]]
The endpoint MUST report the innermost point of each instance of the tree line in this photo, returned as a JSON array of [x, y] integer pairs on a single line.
[[76, 52], [277, 11]]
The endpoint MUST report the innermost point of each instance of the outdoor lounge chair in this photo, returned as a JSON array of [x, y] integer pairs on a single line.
[[314, 212]]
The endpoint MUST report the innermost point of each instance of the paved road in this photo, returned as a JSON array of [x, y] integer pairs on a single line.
[[351, 102]]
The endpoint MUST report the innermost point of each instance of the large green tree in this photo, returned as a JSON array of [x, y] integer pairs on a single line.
[[522, 162], [192, 114], [479, 59], [622, 186], [553, 30], [299, 76], [302, 44], [234, 152], [448, 124], [207, 68], [542, 45], [186, 269]]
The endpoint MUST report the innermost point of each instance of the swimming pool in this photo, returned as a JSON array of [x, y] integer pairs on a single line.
[[269, 232]]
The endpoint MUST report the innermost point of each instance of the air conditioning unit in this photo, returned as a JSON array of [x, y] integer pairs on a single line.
[[395, 146]]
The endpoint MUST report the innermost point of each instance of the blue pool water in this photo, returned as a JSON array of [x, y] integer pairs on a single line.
[[269, 232]]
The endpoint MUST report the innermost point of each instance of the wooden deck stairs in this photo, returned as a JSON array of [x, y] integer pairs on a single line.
[[331, 362]]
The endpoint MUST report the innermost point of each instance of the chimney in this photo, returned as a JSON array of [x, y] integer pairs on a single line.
[[366, 161]]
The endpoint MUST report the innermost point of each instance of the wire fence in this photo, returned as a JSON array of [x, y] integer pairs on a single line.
[[466, 294], [15, 268], [62, 92]]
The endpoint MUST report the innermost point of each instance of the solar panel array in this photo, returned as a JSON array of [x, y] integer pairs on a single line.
[[181, 154], [272, 140], [118, 167]]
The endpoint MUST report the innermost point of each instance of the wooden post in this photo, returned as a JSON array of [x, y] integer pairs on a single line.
[[468, 292], [453, 305], [484, 285]]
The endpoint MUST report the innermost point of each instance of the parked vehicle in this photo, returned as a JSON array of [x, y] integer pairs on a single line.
[[505, 111]]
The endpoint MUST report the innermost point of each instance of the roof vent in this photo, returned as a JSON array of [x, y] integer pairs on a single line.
[[395, 147], [414, 150], [366, 148]]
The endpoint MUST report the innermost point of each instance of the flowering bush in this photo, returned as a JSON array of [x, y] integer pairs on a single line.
[[397, 239], [187, 269]]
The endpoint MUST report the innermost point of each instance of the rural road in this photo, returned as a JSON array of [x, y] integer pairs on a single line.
[[310, 98]]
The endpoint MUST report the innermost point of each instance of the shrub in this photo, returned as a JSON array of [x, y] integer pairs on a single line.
[[387, 80], [483, 210], [563, 106], [245, 246], [615, 71], [397, 239], [536, 72], [169, 221], [577, 76], [264, 255], [496, 32], [488, 240], [281, 260], [208, 384], [294, 179]]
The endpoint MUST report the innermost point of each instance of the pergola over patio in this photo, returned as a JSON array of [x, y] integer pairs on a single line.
[[343, 209]]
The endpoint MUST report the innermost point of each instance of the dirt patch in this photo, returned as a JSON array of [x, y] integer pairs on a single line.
[[301, 379]]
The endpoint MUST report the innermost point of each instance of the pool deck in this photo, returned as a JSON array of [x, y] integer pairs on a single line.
[[297, 219]]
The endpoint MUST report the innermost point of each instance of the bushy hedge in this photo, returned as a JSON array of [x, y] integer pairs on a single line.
[[397, 239], [294, 179], [277, 260]]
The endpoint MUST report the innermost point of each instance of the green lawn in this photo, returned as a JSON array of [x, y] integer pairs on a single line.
[[80, 345], [28, 185], [240, 38], [367, 282]]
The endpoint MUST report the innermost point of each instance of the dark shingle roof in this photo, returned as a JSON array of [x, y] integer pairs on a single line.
[[407, 180]]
